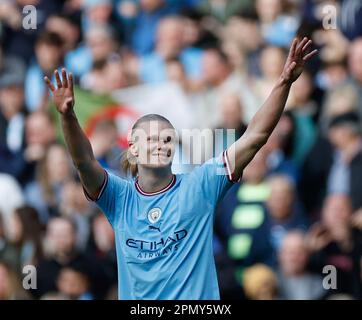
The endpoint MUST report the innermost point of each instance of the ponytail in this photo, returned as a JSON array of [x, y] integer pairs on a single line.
[[127, 166]]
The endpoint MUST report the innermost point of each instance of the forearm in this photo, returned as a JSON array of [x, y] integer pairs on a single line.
[[77, 142], [268, 116], [259, 129]]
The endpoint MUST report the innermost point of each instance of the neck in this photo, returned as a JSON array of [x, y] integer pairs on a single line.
[[153, 180]]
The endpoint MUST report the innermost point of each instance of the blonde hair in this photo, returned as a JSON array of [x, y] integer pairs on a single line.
[[131, 167], [259, 277]]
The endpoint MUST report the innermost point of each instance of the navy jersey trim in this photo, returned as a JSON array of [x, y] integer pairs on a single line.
[[168, 187], [105, 181]]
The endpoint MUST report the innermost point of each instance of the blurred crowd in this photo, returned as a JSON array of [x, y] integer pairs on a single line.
[[298, 207]]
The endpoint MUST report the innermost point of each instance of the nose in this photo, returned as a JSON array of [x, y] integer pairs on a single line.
[[160, 144]]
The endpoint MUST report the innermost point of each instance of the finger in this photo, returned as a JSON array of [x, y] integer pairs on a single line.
[[64, 77], [310, 55], [49, 84], [57, 79], [293, 47], [71, 86], [301, 45], [307, 45]]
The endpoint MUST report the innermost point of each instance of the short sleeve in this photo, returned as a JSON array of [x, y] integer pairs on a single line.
[[111, 196], [214, 177]]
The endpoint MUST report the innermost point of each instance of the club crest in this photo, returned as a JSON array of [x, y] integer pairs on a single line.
[[154, 215]]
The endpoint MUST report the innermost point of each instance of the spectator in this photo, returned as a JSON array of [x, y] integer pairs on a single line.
[[278, 27], [271, 64], [96, 13], [304, 111], [219, 79], [354, 62], [141, 22], [74, 204], [249, 41], [294, 280], [60, 252], [169, 44], [334, 242], [10, 286], [222, 10], [12, 120], [346, 172], [19, 42], [49, 56], [67, 27], [241, 219], [260, 283], [11, 197], [283, 209], [105, 145], [25, 233], [73, 283], [53, 172], [280, 147], [99, 44], [101, 246], [39, 135], [8, 253]]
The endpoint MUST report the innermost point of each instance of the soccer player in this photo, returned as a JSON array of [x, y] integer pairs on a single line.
[[163, 222]]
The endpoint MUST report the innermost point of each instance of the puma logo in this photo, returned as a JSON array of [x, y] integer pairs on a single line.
[[154, 228]]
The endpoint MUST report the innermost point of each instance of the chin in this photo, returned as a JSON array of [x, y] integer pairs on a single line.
[[160, 164]]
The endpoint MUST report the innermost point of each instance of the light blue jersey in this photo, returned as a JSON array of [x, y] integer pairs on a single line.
[[164, 239]]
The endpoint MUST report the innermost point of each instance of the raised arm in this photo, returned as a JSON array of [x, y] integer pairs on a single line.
[[91, 173], [265, 120]]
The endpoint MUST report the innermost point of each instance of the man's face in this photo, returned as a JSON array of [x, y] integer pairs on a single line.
[[61, 236], [281, 198], [72, 283], [11, 100], [39, 130], [355, 60], [48, 56], [150, 5], [336, 211], [293, 255], [213, 67], [339, 136], [153, 144]]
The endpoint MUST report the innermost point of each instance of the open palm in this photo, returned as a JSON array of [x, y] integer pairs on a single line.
[[298, 55], [63, 95]]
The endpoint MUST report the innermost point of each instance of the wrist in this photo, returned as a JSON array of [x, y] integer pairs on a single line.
[[68, 115], [283, 82]]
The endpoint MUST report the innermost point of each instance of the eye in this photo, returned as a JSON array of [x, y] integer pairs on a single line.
[[168, 139]]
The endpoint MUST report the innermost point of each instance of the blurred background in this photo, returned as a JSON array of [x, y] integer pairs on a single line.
[[202, 64]]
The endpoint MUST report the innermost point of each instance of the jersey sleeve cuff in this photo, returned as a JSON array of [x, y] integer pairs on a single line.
[[101, 190], [229, 173]]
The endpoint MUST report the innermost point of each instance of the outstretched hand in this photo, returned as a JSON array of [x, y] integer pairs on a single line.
[[298, 55], [63, 96]]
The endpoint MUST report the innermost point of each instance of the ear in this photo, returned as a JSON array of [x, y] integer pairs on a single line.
[[133, 149]]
